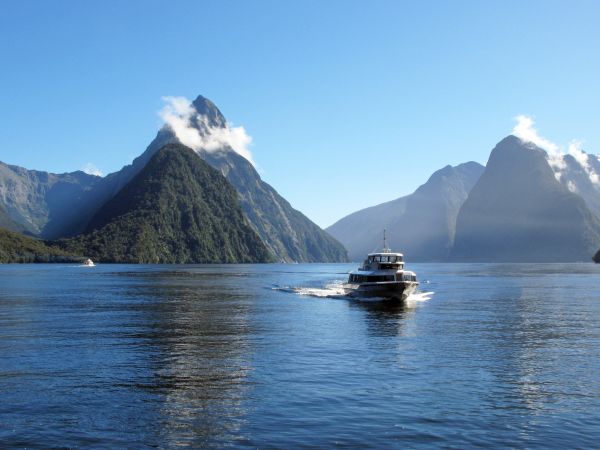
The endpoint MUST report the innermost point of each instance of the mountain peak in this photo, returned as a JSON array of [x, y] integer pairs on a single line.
[[206, 108], [520, 211], [512, 147]]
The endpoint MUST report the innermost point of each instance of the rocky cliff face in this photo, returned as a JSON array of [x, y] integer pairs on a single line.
[[6, 222], [519, 211], [422, 224], [41, 203]]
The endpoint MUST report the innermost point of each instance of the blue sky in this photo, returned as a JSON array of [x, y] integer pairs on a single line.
[[349, 104]]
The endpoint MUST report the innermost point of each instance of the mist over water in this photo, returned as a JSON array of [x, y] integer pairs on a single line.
[[272, 356]]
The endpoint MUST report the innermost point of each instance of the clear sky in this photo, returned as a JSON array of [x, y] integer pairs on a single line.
[[349, 104]]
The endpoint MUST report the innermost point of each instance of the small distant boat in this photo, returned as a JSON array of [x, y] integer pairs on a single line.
[[382, 275], [89, 263]]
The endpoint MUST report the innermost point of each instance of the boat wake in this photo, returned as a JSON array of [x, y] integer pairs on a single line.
[[336, 290], [419, 297], [331, 290]]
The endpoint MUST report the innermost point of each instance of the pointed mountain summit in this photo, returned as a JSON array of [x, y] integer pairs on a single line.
[[207, 109], [421, 224], [177, 209], [288, 234], [519, 211]]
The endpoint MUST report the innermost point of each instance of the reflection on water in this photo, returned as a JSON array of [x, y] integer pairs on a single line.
[[197, 327], [214, 356]]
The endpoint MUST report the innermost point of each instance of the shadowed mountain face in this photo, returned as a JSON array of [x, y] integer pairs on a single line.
[[41, 203], [177, 209], [421, 224], [597, 257], [518, 211]]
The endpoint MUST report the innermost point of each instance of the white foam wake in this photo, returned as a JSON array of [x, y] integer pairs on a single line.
[[331, 290], [419, 297], [336, 290]]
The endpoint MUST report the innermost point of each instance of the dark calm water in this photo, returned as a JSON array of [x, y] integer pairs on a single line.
[[260, 356]]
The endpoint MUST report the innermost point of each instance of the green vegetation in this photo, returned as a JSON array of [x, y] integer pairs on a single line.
[[17, 248], [178, 209]]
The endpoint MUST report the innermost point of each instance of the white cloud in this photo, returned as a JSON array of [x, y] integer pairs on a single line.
[[584, 161], [526, 132], [91, 169], [178, 113]]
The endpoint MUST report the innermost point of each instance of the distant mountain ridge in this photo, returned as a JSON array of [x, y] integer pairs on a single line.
[[516, 209], [523, 206], [421, 224], [41, 203]]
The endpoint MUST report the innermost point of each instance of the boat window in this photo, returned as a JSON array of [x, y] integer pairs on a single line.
[[377, 278], [384, 259], [377, 259], [370, 259], [392, 259]]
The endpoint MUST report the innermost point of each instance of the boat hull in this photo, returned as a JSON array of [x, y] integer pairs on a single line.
[[386, 290]]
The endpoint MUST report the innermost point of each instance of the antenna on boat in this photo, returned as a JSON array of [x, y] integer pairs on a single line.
[[385, 247]]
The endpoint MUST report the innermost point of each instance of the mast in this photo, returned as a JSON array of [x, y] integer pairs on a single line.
[[385, 247]]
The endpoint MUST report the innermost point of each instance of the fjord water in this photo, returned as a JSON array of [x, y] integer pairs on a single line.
[[270, 356]]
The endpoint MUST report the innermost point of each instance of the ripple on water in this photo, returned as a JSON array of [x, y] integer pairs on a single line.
[[258, 356]]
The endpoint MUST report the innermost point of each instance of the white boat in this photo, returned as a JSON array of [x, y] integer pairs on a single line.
[[88, 262], [382, 275]]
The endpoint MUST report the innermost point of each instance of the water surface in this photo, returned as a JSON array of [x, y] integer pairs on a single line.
[[272, 356]]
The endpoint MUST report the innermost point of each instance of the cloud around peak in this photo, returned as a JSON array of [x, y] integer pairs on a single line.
[[91, 169], [195, 131], [525, 130]]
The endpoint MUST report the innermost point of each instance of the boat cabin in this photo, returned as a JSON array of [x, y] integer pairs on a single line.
[[384, 261]]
